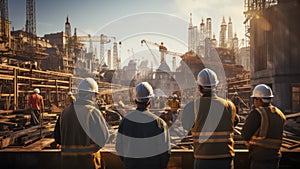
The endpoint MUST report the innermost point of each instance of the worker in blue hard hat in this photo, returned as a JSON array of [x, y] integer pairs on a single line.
[[143, 139], [263, 130], [211, 120]]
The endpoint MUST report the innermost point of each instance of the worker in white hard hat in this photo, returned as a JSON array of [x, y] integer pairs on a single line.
[[143, 139], [211, 120], [263, 130], [36, 104], [82, 129]]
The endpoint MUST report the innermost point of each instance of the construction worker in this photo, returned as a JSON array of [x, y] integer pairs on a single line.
[[82, 130], [211, 120], [174, 104], [143, 139], [36, 104], [238, 102], [263, 130]]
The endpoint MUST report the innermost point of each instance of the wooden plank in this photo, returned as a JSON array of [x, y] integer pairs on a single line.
[[43, 79], [292, 115], [6, 111], [50, 86], [8, 116], [9, 123], [6, 95], [6, 77]]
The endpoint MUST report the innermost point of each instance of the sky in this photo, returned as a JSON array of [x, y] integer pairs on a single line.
[[129, 21]]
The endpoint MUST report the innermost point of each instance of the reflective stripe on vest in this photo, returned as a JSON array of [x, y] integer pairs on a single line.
[[212, 137], [79, 150], [266, 142], [260, 138]]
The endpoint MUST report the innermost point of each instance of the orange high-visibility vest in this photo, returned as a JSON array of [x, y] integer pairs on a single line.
[[260, 137]]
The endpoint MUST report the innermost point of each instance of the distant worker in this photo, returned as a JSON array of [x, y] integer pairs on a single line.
[[174, 104], [211, 120], [36, 104], [238, 102], [82, 130], [143, 140], [263, 130], [70, 99]]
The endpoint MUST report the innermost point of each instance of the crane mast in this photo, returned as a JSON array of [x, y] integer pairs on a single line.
[[30, 17], [4, 26]]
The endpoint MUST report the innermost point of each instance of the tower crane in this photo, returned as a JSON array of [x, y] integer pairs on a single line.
[[102, 39], [163, 51]]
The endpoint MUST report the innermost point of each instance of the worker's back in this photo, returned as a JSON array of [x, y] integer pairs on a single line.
[[35, 101], [215, 118]]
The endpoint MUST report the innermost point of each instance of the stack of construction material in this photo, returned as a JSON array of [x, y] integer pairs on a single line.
[[16, 129]]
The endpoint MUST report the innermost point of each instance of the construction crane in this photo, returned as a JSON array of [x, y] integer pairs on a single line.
[[102, 39], [4, 26], [163, 51], [30, 17]]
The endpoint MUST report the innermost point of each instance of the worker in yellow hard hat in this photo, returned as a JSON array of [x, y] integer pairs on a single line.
[[263, 130]]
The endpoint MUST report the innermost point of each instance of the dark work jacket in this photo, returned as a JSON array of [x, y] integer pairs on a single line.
[[143, 141], [272, 127], [83, 131], [211, 120]]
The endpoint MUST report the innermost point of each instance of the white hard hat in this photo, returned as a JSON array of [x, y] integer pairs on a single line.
[[70, 93], [36, 90], [207, 78], [88, 85], [262, 91], [175, 96], [143, 91]]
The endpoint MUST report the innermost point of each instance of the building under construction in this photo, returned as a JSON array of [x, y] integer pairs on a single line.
[[56, 62]]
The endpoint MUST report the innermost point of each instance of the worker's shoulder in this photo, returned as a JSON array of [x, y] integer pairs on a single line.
[[278, 111], [39, 96], [229, 102], [225, 102], [254, 112]]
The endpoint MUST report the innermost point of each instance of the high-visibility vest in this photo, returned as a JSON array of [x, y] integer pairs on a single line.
[[217, 143], [212, 137], [260, 137]]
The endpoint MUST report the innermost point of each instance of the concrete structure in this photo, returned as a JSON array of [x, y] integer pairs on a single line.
[[243, 58], [275, 49]]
